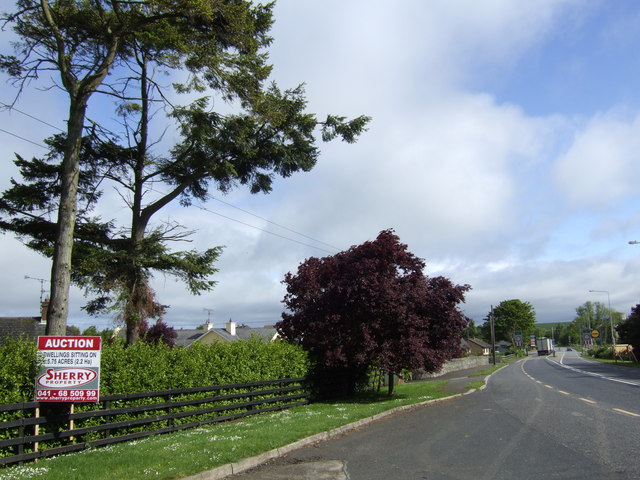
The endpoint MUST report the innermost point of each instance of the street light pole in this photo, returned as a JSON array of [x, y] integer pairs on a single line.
[[613, 339]]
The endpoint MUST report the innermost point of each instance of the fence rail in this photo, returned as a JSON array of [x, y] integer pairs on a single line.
[[33, 430]]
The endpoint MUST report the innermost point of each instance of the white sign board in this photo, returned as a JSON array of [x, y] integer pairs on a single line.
[[70, 371]]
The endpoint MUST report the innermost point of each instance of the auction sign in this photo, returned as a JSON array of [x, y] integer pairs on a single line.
[[70, 369]]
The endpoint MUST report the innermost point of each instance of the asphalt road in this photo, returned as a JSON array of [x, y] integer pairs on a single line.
[[561, 417]]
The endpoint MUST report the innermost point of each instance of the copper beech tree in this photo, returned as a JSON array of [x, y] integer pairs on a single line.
[[371, 306]]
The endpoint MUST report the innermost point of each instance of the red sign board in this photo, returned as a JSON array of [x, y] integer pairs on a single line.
[[70, 370]]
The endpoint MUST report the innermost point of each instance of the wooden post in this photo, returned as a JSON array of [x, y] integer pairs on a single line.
[[36, 430], [71, 422]]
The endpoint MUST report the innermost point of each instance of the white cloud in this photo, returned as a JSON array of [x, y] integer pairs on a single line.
[[601, 166], [471, 183]]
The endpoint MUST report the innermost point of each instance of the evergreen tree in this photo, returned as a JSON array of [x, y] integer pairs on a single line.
[[220, 44]]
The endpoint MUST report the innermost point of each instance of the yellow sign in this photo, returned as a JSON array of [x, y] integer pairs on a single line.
[[595, 333]]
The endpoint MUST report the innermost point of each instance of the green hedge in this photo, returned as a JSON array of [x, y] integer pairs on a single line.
[[145, 367], [18, 369]]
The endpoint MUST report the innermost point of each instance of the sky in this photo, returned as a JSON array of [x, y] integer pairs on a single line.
[[503, 150]]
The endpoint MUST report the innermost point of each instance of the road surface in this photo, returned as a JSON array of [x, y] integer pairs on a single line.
[[550, 418]]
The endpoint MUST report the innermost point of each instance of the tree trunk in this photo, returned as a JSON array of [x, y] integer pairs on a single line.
[[132, 328], [67, 210], [133, 309]]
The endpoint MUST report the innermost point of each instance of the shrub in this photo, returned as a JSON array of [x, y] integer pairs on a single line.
[[18, 369], [147, 367], [600, 352]]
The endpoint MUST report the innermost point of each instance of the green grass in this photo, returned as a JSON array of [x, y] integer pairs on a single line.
[[178, 455], [475, 384], [622, 363], [489, 370]]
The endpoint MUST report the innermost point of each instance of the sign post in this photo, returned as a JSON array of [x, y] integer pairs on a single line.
[[70, 370], [518, 338]]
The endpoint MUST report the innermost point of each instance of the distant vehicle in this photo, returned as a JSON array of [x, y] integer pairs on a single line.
[[568, 349], [545, 346]]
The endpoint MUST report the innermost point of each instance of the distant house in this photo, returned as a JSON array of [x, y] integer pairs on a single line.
[[16, 327], [29, 327], [230, 333], [475, 346], [503, 347]]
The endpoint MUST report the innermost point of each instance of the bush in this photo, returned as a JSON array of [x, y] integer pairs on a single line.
[[18, 369], [600, 352], [147, 367]]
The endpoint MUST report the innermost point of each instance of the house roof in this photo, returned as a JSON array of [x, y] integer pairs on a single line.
[[15, 327], [245, 333], [478, 342], [187, 336]]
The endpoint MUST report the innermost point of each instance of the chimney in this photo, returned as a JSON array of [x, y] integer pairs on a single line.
[[44, 307], [208, 326], [231, 328]]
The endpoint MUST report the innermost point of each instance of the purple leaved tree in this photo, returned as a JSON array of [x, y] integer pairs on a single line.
[[371, 306]]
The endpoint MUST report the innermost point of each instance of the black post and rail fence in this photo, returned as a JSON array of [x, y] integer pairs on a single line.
[[33, 430]]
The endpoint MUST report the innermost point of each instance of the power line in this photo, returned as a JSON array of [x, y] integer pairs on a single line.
[[201, 207], [22, 138], [9, 107], [272, 223], [208, 196], [263, 230]]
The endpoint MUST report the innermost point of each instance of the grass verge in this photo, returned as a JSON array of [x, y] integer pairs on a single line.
[[489, 370], [475, 384], [622, 363], [178, 455]]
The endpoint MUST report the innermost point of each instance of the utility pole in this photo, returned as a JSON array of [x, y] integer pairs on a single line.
[[493, 335], [613, 338]]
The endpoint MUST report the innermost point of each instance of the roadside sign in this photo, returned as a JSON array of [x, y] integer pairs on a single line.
[[586, 338], [595, 333], [519, 340], [533, 340], [70, 370]]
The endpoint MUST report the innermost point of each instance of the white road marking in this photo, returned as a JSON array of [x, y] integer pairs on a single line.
[[586, 372], [626, 412]]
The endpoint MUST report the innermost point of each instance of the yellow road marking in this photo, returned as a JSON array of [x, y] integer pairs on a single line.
[[548, 386], [563, 392], [587, 400], [626, 412]]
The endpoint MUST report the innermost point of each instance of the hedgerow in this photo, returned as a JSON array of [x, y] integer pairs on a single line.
[[18, 368], [148, 367], [145, 367]]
